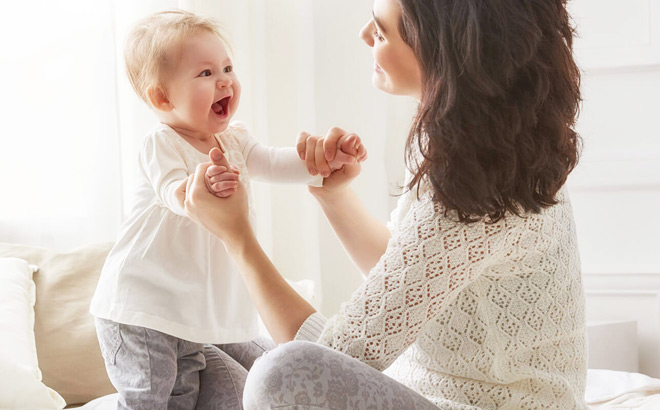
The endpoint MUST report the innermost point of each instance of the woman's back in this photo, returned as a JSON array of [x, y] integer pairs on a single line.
[[511, 333]]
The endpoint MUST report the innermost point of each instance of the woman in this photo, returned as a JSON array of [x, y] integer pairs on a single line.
[[473, 297]]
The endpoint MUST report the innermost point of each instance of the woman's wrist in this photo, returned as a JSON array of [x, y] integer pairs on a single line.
[[328, 198], [242, 242]]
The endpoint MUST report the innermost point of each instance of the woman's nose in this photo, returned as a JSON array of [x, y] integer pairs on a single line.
[[365, 34]]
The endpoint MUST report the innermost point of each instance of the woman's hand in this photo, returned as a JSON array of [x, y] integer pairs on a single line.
[[227, 217], [323, 155]]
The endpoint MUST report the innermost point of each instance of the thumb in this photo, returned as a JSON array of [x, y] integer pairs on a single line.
[[217, 157]]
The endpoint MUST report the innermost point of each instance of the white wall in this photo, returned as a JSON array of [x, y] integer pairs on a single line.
[[303, 66], [616, 188], [301, 70]]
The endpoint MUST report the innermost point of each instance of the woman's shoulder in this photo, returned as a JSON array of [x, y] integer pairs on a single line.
[[419, 213]]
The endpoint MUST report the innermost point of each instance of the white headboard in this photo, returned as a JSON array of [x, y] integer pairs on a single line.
[[629, 296]]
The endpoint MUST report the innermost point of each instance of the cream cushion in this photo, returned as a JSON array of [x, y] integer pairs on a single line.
[[67, 348], [20, 378]]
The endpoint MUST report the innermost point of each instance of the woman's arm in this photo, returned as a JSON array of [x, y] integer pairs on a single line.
[[281, 308], [363, 236], [279, 305]]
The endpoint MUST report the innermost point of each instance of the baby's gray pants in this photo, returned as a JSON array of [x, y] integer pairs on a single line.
[[152, 370]]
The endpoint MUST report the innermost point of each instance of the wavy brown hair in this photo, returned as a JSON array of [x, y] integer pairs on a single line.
[[500, 97]]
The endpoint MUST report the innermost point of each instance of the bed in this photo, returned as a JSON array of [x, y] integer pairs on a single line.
[[50, 358]]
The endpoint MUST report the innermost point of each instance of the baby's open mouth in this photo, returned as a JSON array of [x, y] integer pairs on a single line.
[[220, 107]]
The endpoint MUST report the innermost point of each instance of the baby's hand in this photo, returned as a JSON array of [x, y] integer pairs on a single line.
[[324, 155], [220, 180], [349, 151]]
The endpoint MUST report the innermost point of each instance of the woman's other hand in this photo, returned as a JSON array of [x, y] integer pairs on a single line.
[[336, 157], [227, 217]]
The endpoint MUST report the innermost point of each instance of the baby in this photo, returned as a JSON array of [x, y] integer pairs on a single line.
[[168, 286]]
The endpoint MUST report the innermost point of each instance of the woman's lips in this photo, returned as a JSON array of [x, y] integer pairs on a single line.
[[377, 68]]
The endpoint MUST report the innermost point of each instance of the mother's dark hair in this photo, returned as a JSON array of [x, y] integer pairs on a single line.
[[500, 96]]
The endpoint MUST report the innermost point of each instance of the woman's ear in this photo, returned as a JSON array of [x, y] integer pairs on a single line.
[[159, 99]]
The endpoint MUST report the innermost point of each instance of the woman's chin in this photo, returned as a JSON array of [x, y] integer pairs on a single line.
[[379, 83]]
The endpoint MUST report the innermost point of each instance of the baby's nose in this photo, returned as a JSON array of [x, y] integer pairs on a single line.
[[224, 81]]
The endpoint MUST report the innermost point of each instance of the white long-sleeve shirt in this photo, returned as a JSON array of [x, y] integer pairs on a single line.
[[166, 272], [472, 316]]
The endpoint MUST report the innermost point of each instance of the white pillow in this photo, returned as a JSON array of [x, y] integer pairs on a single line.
[[20, 377], [108, 402]]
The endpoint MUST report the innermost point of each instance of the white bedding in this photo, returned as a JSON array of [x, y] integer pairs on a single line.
[[606, 389]]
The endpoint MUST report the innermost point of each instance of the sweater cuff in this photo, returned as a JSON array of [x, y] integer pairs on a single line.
[[311, 328], [316, 181]]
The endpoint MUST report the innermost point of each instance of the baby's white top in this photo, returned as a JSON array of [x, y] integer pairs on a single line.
[[167, 273], [472, 316]]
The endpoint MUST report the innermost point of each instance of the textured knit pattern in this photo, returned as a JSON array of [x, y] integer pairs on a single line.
[[473, 316]]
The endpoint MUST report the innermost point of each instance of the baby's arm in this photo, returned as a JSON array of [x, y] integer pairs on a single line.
[[164, 168], [278, 165]]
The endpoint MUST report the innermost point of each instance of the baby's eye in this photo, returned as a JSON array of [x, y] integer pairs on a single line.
[[229, 69], [205, 73]]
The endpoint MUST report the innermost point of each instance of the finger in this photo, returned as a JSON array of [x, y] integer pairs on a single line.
[[226, 193], [197, 184], [224, 185], [344, 158], [227, 176], [214, 170], [348, 144], [310, 157], [189, 183], [301, 144], [321, 164], [361, 153], [207, 180], [330, 144], [217, 157], [234, 169]]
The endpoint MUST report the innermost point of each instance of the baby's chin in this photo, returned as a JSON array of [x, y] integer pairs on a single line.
[[220, 128]]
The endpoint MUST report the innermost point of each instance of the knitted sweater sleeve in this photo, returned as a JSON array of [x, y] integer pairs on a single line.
[[428, 261]]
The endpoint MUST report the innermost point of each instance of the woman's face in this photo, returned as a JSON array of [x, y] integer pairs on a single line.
[[396, 70]]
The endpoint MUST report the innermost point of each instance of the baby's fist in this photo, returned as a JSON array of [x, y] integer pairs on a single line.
[[221, 178], [349, 151]]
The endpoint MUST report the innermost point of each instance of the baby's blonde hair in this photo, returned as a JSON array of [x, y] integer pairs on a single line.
[[151, 38]]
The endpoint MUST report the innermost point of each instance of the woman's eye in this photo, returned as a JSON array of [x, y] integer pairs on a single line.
[[378, 36], [229, 69], [205, 73]]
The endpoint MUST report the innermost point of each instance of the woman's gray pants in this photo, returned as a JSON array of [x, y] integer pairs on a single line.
[[304, 375]]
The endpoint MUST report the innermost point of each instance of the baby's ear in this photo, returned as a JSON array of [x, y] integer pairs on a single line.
[[158, 98]]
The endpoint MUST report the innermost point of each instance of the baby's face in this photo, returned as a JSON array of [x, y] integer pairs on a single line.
[[201, 85]]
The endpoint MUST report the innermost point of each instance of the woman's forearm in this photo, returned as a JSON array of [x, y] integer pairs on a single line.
[[281, 308], [363, 236]]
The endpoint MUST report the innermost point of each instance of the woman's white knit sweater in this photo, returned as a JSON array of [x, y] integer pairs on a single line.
[[472, 316]]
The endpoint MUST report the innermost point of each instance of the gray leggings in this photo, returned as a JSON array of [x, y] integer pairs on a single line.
[[155, 371], [304, 375], [222, 381]]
